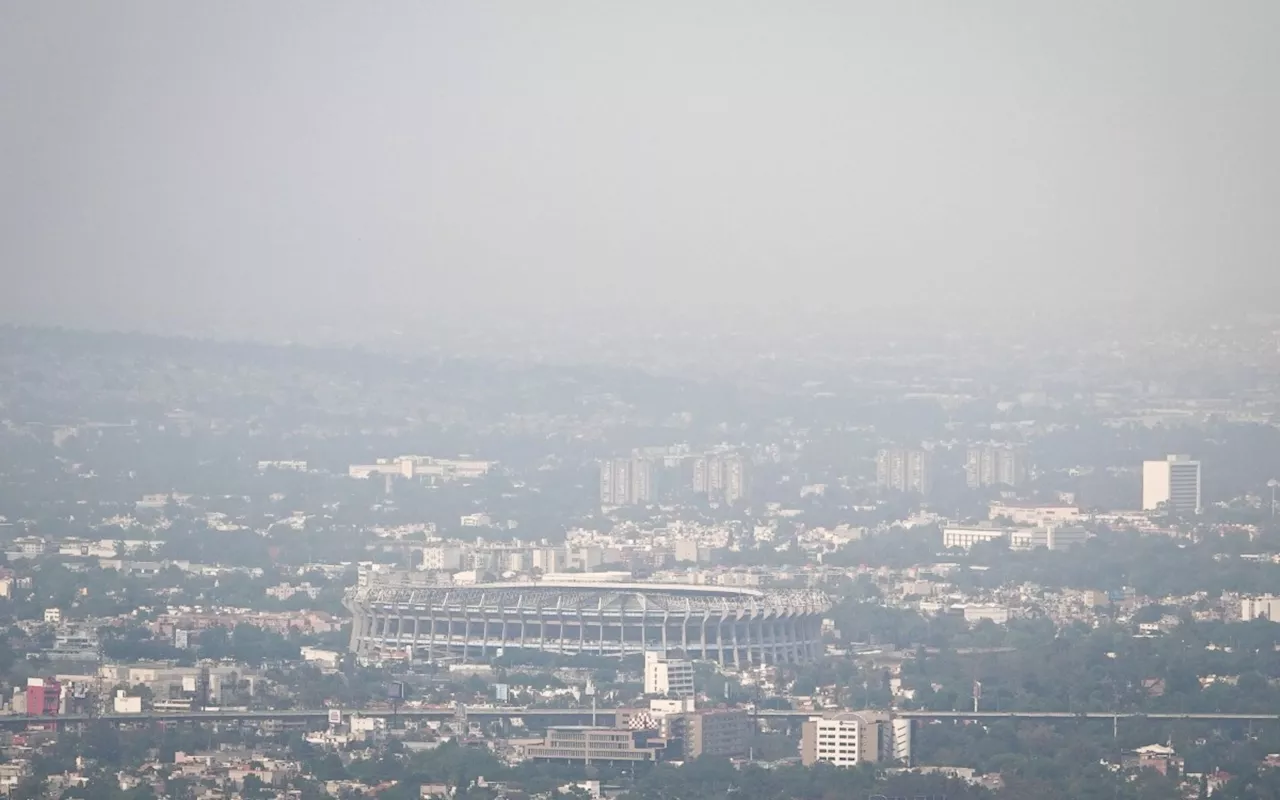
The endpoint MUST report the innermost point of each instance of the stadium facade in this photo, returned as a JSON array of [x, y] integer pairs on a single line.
[[732, 626]]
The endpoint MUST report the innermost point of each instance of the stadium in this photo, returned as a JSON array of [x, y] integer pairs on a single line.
[[732, 626]]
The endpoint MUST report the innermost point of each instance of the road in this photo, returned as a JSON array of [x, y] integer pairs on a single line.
[[579, 714]]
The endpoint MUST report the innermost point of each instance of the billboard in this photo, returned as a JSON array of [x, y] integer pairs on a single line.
[[335, 716]]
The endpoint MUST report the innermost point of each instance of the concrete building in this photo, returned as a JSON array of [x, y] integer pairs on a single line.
[[595, 745], [1174, 481], [731, 625], [447, 558], [710, 731], [715, 732], [996, 465], [967, 537], [124, 703], [902, 730], [1052, 537], [1267, 607], [736, 480], [626, 482], [1034, 514], [977, 613], [1059, 537], [445, 469], [44, 697], [284, 466], [904, 470], [690, 550], [667, 676], [845, 739], [722, 476]]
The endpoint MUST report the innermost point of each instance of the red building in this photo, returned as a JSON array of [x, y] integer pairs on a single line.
[[44, 696]]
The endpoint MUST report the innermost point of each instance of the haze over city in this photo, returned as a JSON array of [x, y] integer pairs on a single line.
[[326, 170], [639, 401]]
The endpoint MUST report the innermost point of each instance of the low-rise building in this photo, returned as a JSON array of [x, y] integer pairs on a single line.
[[594, 745]]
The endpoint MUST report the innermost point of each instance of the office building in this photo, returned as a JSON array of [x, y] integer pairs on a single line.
[[902, 741], [1173, 482], [845, 739], [715, 732], [1059, 537], [440, 469], [667, 677], [1266, 607], [967, 537], [594, 745], [904, 470], [1034, 513], [996, 465]]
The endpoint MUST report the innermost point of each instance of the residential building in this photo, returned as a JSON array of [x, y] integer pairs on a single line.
[[722, 476], [641, 490], [996, 465], [442, 558], [44, 697], [1267, 607], [690, 550], [626, 481], [667, 676], [74, 643], [1174, 482], [735, 479], [904, 470]]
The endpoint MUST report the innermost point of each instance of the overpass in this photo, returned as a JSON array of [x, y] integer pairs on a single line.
[[567, 715]]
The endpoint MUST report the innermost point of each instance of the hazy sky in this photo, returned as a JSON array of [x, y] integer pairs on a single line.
[[212, 165]]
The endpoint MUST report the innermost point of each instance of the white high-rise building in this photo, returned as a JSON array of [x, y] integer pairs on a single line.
[[667, 676], [1174, 481], [905, 470], [442, 558], [902, 741], [723, 476], [1267, 606], [846, 739], [626, 481], [996, 465]]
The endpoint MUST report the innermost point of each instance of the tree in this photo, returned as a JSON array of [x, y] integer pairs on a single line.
[[254, 787]]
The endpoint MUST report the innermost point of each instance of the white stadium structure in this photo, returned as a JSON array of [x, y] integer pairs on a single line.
[[732, 626]]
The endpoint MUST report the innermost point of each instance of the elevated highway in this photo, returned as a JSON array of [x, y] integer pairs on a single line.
[[578, 715]]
